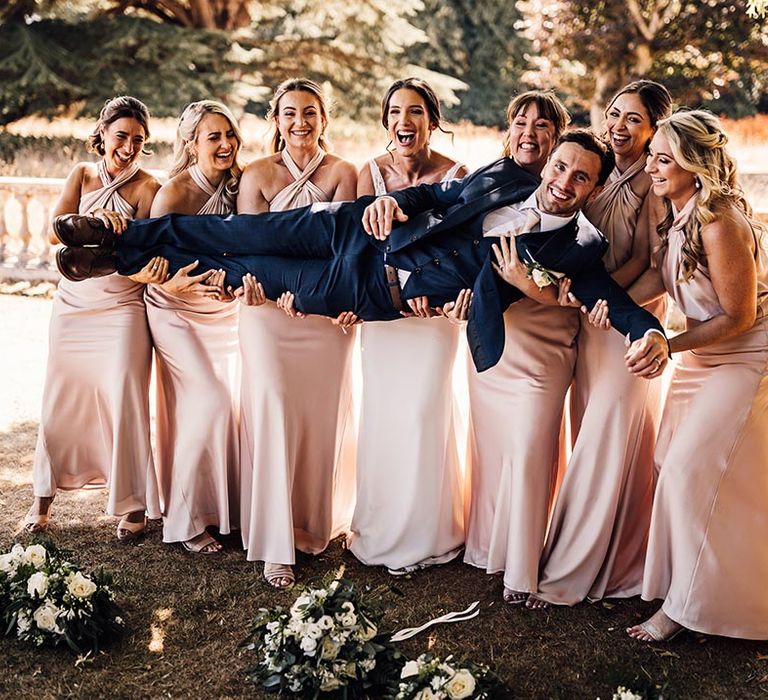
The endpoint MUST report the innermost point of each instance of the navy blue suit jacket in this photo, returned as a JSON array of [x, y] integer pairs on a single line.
[[456, 210]]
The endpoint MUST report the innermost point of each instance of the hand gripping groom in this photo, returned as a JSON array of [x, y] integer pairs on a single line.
[[429, 240]]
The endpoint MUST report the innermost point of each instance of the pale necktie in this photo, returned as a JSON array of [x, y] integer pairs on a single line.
[[526, 223]]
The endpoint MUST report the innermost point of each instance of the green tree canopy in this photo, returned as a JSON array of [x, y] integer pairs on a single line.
[[478, 42], [72, 56], [702, 51]]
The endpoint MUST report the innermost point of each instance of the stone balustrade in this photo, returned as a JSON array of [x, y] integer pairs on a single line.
[[25, 213]]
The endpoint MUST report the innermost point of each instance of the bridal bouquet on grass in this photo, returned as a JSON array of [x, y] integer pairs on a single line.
[[326, 642], [429, 678], [47, 599]]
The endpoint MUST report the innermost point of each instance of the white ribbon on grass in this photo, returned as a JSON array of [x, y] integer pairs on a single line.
[[472, 611]]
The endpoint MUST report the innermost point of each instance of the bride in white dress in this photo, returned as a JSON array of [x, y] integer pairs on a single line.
[[409, 490]]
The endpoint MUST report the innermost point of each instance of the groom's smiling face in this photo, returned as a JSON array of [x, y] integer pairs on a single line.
[[568, 180]]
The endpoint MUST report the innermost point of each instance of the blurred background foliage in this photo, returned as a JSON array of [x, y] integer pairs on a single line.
[[67, 57]]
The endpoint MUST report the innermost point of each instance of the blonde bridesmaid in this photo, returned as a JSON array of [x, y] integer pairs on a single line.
[[408, 512], [707, 558], [516, 407], [196, 349], [296, 455], [599, 528], [94, 426]]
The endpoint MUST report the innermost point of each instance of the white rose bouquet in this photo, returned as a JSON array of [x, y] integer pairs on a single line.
[[429, 678], [326, 643], [47, 599]]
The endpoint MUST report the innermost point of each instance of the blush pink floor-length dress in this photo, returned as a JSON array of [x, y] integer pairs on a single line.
[[599, 528], [707, 554], [515, 445], [197, 365], [94, 425], [296, 423], [409, 480]]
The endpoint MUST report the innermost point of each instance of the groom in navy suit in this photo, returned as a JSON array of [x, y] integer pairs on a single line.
[[441, 245]]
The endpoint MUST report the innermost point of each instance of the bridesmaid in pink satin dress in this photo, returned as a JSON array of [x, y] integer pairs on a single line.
[[408, 512], [599, 529], [707, 558], [94, 425], [512, 470], [194, 332], [297, 459]]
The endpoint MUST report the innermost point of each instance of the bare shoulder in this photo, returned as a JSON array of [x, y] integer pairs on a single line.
[[148, 181], [260, 168], [443, 164], [729, 232], [78, 176], [85, 173], [173, 195], [340, 167]]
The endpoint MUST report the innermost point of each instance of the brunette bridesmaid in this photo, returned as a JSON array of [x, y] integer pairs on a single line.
[[94, 426], [408, 513], [196, 348], [297, 459], [516, 407], [707, 558], [599, 528]]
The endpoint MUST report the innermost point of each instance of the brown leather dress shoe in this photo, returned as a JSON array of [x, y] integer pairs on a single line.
[[78, 264], [75, 230]]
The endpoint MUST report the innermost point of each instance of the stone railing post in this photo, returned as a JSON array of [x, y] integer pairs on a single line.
[[25, 209]]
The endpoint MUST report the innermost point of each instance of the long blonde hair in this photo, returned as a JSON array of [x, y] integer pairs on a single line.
[[186, 133], [291, 85], [698, 144]]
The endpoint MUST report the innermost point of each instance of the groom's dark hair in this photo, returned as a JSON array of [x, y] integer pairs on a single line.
[[590, 141]]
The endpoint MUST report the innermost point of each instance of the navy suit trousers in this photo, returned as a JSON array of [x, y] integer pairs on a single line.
[[321, 254]]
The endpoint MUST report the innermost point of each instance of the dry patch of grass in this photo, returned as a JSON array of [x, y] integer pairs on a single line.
[[188, 614]]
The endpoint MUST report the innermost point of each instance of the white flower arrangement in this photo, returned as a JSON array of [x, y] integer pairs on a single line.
[[46, 599], [541, 276], [623, 693], [326, 643], [429, 678]]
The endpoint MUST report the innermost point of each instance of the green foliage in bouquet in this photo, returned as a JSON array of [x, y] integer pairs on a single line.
[[45, 599], [430, 678], [327, 643]]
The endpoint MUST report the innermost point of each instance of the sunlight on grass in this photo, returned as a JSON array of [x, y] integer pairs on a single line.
[[157, 640], [12, 476]]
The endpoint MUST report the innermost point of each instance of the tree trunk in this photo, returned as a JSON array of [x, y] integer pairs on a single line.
[[642, 60], [608, 79]]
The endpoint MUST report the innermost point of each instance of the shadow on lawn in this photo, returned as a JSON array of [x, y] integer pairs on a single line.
[[188, 614]]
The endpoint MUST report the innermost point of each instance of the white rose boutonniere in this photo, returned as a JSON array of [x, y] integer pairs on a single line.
[[541, 276]]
